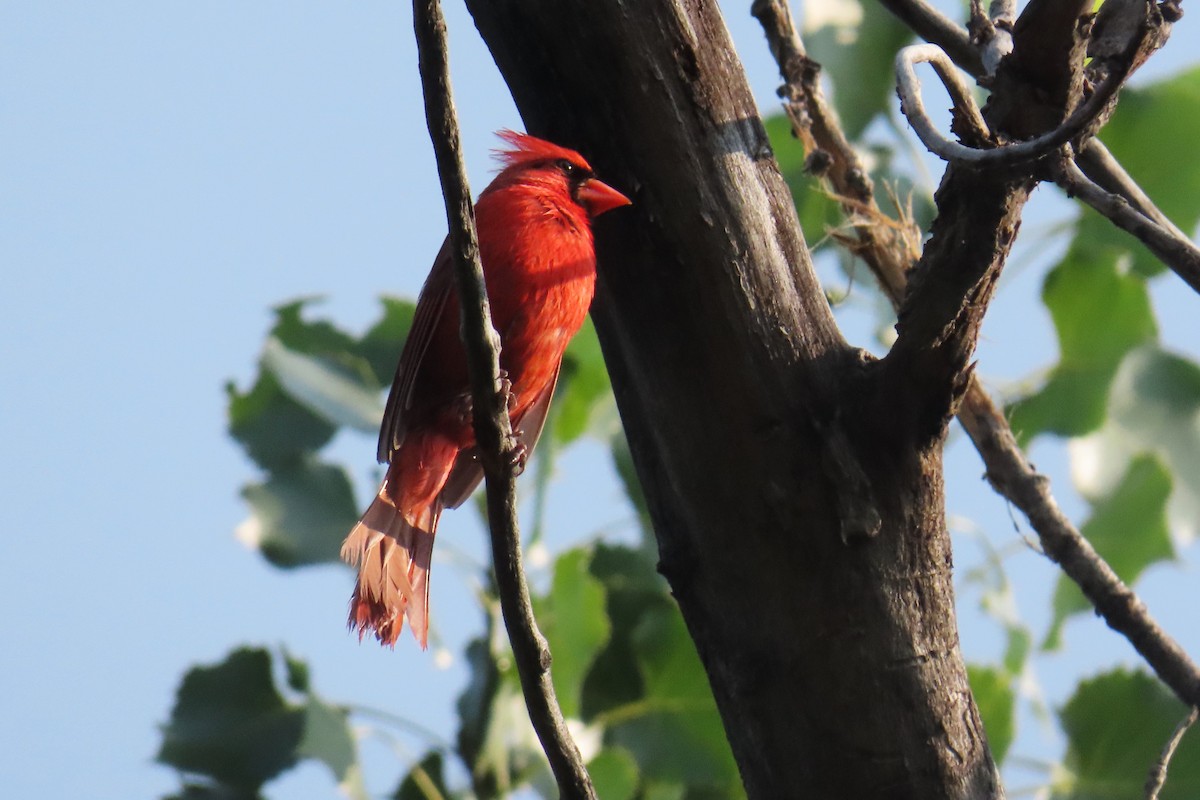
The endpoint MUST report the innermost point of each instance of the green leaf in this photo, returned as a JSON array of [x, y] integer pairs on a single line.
[[328, 738], [300, 514], [425, 781], [1154, 407], [582, 386], [573, 620], [678, 708], [623, 462], [632, 589], [231, 724], [614, 773], [818, 212], [994, 696], [332, 394], [1117, 725], [856, 49], [381, 345], [1147, 119], [1100, 313], [273, 428], [1128, 530]]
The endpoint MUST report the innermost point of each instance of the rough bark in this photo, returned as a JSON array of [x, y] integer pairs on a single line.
[[802, 533]]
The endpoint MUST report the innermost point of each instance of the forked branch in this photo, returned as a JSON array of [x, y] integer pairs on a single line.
[[1009, 472]]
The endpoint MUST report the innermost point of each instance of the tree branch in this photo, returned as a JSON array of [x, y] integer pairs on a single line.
[[1177, 252], [1158, 773], [493, 429], [1095, 160], [1007, 469], [1015, 479]]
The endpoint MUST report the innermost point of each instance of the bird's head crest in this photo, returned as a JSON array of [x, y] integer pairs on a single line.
[[526, 149]]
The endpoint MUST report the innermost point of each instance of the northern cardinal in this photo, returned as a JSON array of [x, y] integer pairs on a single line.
[[539, 263]]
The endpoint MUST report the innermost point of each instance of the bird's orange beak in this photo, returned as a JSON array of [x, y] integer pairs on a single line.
[[598, 197]]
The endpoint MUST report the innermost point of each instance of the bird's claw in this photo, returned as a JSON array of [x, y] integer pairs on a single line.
[[510, 399], [519, 455]]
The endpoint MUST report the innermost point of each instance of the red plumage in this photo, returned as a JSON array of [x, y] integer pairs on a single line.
[[539, 264]]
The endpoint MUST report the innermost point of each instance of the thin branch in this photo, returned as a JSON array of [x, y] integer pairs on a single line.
[[1177, 252], [1102, 167], [1158, 773], [1007, 469], [493, 429]]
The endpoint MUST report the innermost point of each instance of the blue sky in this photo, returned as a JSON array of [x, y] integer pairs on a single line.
[[170, 171]]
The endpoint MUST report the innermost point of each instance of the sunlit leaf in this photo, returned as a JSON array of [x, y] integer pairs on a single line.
[[1116, 726], [1129, 531], [1154, 407], [1091, 344], [300, 514], [328, 392]]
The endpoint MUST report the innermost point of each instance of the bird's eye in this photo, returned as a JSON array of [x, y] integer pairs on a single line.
[[567, 167]]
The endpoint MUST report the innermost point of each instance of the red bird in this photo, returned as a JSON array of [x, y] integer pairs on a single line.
[[539, 264]]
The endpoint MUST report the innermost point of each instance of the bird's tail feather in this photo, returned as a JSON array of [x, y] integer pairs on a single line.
[[392, 554]]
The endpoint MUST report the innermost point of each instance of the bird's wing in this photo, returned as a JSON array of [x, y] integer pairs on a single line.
[[468, 471], [430, 307]]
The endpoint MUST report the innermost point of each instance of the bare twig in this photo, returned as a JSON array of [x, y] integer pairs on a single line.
[[493, 430], [1007, 469], [1177, 252], [1158, 773]]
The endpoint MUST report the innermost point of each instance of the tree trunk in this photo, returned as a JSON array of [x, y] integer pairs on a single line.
[[795, 483]]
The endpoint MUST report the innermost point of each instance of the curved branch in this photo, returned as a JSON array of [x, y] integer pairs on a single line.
[[909, 88], [493, 430]]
